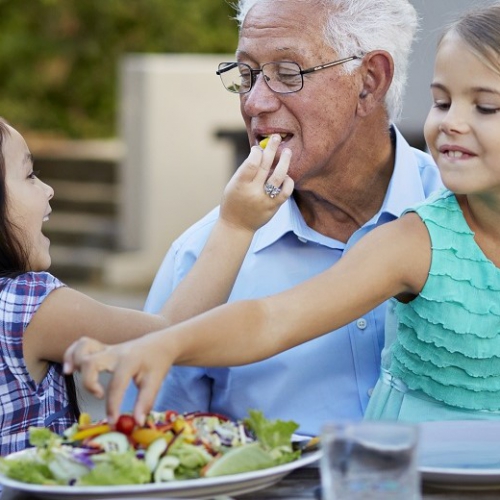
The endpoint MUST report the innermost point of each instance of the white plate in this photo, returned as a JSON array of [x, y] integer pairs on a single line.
[[460, 454], [235, 484]]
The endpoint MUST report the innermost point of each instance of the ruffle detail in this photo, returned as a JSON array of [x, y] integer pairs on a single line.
[[448, 343], [481, 399]]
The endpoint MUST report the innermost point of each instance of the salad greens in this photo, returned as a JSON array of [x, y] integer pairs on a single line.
[[169, 447]]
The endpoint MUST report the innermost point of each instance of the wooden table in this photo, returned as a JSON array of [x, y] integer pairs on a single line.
[[303, 483]]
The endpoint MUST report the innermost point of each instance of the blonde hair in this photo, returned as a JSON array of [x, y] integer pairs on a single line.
[[480, 30]]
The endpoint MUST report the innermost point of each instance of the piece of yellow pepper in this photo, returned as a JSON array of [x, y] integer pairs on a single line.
[[84, 419], [90, 432], [145, 436], [264, 142]]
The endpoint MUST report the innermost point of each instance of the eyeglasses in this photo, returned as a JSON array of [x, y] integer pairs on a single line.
[[283, 77]]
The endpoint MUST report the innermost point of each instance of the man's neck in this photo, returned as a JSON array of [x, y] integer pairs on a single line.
[[344, 199]]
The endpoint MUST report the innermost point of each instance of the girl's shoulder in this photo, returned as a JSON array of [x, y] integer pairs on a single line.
[[438, 199], [441, 205], [30, 284]]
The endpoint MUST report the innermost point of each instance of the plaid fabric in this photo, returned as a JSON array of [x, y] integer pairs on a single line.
[[23, 402]]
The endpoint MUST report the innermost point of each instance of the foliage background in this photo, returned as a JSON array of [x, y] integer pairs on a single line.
[[59, 58]]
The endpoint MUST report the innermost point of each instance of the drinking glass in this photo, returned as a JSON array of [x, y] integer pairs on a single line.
[[370, 460]]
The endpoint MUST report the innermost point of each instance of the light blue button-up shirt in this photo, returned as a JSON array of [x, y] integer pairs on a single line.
[[330, 377]]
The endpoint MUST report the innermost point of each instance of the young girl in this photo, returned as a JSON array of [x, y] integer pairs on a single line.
[[40, 317], [440, 261]]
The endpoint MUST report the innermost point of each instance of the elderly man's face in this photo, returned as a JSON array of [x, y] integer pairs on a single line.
[[319, 119]]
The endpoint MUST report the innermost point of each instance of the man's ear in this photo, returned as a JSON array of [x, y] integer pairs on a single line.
[[377, 71]]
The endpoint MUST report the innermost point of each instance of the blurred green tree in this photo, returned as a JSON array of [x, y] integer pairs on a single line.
[[59, 58]]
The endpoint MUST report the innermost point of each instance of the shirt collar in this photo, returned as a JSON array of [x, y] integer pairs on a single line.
[[405, 188]]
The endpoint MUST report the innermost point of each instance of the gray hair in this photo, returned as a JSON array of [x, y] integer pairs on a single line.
[[361, 26]]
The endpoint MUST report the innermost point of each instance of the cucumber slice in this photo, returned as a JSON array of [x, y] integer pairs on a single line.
[[112, 441]]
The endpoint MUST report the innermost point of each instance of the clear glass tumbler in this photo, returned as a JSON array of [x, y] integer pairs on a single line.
[[370, 460]]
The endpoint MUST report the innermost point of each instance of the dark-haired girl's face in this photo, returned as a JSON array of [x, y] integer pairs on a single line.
[[28, 200]]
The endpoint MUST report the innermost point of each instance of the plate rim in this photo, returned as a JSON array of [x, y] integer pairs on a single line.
[[186, 485], [470, 477]]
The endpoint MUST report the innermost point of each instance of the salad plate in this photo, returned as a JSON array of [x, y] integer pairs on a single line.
[[460, 454], [201, 488]]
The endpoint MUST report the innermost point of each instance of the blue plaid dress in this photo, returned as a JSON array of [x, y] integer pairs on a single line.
[[23, 402]]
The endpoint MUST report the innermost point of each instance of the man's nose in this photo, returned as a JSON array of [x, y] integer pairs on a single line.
[[260, 98]]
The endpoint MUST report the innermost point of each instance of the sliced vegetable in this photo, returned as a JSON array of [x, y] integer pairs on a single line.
[[154, 452], [264, 142], [165, 470], [95, 430], [112, 441]]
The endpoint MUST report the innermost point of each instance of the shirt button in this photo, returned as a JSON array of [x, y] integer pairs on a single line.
[[361, 323], [370, 392], [301, 239]]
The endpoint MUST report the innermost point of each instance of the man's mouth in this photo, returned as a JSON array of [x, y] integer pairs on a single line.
[[262, 137]]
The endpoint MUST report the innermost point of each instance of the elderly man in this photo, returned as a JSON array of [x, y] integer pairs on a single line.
[[328, 76]]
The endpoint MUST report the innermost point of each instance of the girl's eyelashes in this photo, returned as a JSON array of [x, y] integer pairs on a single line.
[[441, 105], [484, 110], [487, 110], [34, 174]]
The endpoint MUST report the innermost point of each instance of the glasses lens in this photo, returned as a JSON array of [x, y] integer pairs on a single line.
[[283, 76], [236, 77]]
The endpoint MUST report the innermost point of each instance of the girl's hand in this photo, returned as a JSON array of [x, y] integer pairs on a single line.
[[142, 360], [245, 203]]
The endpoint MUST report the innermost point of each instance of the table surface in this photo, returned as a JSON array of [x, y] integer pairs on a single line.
[[303, 483]]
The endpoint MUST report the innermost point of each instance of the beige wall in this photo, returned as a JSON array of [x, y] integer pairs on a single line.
[[175, 168]]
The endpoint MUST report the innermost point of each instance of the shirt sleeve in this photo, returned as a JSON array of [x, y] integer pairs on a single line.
[[20, 299], [185, 388]]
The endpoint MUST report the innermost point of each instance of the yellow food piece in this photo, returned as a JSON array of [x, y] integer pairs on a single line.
[[264, 142], [84, 419], [145, 436], [91, 431]]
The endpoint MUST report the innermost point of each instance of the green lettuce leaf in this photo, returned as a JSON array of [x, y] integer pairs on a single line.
[[275, 436], [116, 468]]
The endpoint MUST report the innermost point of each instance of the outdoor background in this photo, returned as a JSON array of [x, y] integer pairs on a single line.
[[121, 107], [59, 58]]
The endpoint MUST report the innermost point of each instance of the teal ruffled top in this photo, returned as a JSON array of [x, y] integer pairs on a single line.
[[448, 342]]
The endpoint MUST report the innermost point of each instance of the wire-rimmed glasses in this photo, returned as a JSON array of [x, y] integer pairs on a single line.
[[283, 77]]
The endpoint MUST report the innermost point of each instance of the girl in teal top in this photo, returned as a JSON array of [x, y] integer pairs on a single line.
[[440, 262]]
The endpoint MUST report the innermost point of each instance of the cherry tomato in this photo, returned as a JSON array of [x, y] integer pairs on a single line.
[[125, 424], [170, 415]]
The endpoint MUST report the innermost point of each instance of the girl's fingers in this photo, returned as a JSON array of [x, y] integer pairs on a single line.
[[268, 156], [117, 386], [251, 166], [77, 352], [148, 389], [287, 187], [280, 172]]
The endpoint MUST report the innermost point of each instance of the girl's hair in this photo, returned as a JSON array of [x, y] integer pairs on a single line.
[[14, 257], [354, 27], [480, 30]]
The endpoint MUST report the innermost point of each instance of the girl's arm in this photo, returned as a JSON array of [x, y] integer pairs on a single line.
[[392, 260], [244, 209], [66, 315]]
